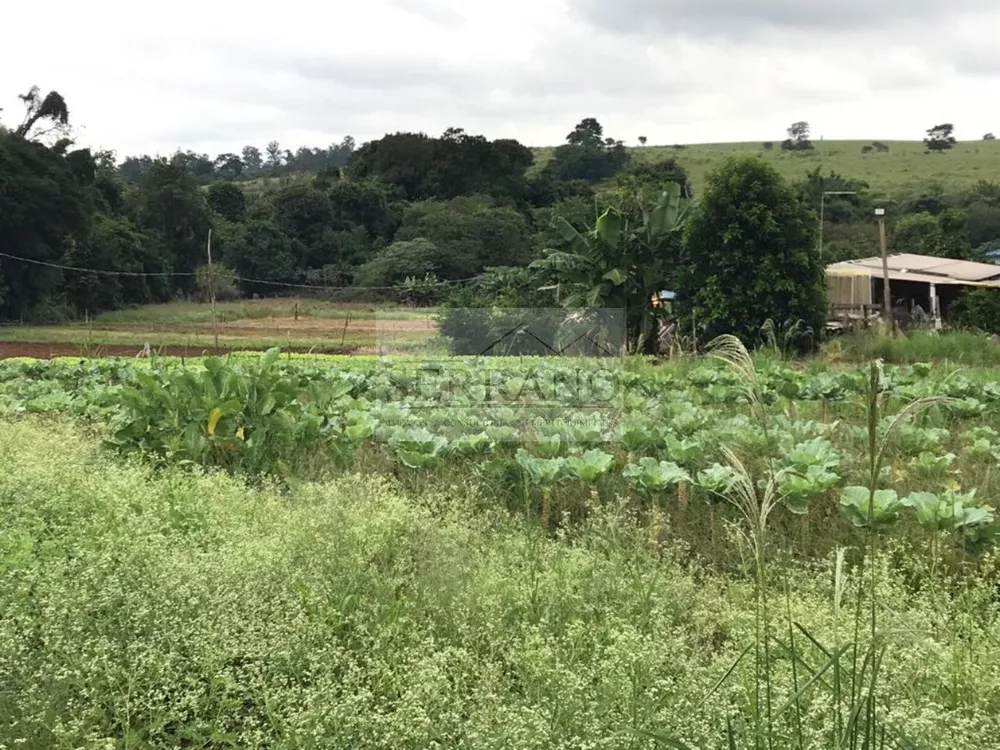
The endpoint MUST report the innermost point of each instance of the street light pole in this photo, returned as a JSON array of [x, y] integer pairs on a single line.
[[822, 212], [886, 292]]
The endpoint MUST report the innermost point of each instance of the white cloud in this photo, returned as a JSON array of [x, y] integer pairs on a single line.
[[216, 74]]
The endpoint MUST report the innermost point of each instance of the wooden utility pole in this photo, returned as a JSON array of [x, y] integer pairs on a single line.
[[886, 290], [211, 290]]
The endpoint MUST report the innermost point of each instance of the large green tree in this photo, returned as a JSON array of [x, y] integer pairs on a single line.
[[454, 164], [115, 244], [415, 258], [169, 203], [44, 211], [228, 200], [751, 255], [303, 212], [588, 155], [945, 235], [260, 252], [369, 203], [471, 232]]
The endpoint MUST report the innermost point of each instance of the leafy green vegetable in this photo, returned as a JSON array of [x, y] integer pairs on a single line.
[[650, 475], [717, 479], [590, 466], [797, 490], [859, 510]]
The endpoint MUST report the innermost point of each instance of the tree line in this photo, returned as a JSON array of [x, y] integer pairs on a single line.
[[405, 216]]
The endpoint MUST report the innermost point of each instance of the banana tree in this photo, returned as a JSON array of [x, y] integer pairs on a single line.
[[622, 262]]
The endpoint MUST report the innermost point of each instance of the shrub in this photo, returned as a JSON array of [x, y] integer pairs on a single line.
[[414, 258], [421, 292], [750, 255], [216, 279], [244, 418], [977, 308]]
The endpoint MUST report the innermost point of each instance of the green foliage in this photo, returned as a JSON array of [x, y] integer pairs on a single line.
[[168, 203], [717, 479], [260, 250], [42, 208], [652, 476], [334, 614], [750, 255], [228, 200], [587, 155], [983, 224], [454, 164], [798, 138], [418, 448], [940, 138], [246, 419], [656, 174], [839, 209], [218, 281], [542, 471], [369, 203], [952, 239], [626, 258], [591, 466], [421, 292], [471, 232], [303, 213], [977, 308], [416, 258], [488, 308], [953, 512]]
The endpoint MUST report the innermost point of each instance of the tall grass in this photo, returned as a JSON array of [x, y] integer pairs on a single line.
[[174, 608], [957, 347], [855, 693]]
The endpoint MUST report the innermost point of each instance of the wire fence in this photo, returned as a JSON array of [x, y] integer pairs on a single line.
[[235, 277], [297, 315]]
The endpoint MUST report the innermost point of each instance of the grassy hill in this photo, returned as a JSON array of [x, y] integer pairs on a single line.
[[907, 168]]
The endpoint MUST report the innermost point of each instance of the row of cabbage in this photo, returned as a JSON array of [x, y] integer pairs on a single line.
[[655, 431]]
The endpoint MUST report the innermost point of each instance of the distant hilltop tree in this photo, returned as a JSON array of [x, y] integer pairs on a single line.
[[642, 140], [989, 137], [798, 138], [940, 138]]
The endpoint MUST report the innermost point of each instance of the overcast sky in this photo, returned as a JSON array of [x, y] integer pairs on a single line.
[[213, 75]]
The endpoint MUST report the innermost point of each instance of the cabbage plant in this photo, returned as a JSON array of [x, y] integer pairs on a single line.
[[650, 476]]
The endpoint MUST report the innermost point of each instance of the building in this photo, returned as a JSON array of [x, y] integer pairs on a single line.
[[919, 285]]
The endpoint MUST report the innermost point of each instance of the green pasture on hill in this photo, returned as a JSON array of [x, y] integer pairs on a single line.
[[906, 169]]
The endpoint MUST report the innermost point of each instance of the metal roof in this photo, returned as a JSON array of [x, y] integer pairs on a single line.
[[923, 269]]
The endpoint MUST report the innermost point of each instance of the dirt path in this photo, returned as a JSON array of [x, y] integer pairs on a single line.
[[48, 351]]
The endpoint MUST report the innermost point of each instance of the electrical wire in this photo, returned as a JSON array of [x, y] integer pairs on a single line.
[[243, 279]]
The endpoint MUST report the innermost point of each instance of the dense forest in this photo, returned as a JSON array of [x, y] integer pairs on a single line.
[[407, 217]]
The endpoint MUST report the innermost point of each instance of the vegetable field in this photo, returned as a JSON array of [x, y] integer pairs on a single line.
[[311, 551]]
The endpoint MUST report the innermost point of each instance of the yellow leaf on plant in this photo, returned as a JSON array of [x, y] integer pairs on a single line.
[[213, 419], [239, 433]]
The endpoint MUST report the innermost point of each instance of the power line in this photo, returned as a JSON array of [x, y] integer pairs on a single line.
[[245, 280], [93, 270]]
